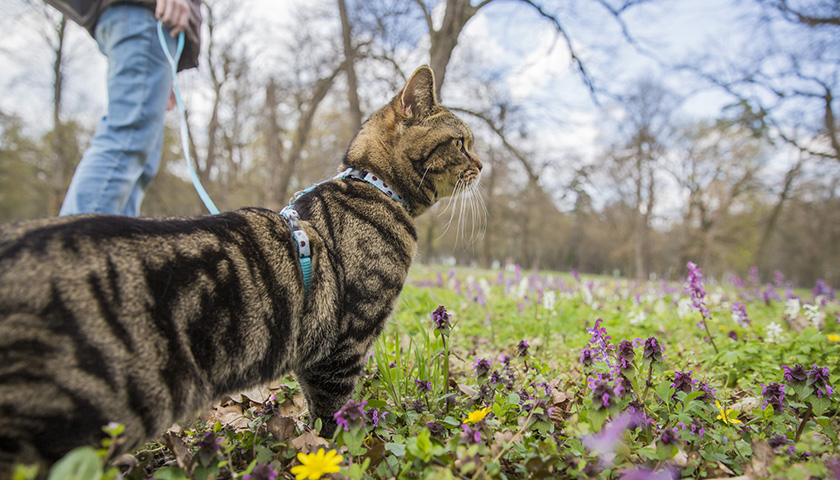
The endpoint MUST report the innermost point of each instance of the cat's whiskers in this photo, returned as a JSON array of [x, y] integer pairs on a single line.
[[466, 198]]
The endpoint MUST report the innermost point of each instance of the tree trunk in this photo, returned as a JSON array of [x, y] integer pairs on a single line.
[[770, 227], [59, 174], [307, 116], [350, 69], [273, 148]]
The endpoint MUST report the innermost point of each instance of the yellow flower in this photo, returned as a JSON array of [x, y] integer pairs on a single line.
[[477, 416], [833, 337], [726, 415], [313, 465]]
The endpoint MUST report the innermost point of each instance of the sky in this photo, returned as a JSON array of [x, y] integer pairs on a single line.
[[513, 42], [537, 64]]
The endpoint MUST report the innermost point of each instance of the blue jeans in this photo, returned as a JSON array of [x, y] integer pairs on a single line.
[[124, 153]]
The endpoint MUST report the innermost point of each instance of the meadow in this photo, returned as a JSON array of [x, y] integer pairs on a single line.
[[522, 374]]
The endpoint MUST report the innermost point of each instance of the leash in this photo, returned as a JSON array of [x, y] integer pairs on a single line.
[[185, 143]]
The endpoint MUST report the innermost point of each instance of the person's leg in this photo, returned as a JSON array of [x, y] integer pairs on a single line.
[[124, 153]]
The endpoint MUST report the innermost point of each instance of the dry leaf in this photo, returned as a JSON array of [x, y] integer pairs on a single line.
[[281, 427], [500, 441], [178, 448], [762, 457], [257, 394], [307, 442], [230, 415]]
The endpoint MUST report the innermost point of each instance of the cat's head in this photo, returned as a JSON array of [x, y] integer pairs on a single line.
[[417, 146]]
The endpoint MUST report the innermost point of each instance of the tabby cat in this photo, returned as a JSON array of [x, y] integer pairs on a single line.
[[145, 321]]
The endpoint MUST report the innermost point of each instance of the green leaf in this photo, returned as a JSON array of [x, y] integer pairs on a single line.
[[82, 463], [820, 404], [357, 471], [450, 422], [397, 449], [171, 473]]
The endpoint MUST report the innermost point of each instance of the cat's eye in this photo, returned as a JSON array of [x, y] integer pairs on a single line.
[[459, 144]]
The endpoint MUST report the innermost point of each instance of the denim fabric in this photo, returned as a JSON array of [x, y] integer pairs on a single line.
[[124, 154]]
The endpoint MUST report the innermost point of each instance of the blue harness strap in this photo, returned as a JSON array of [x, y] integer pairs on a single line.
[[302, 243], [302, 240]]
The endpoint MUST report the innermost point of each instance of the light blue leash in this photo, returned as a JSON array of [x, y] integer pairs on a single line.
[[185, 144]]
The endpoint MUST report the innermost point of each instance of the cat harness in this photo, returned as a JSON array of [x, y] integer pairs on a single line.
[[299, 235]]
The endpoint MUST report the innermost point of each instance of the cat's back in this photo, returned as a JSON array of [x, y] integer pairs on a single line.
[[139, 321]]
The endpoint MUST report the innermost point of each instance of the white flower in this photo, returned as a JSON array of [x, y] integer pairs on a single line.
[[522, 288], [587, 295], [774, 332], [638, 317], [548, 301], [683, 307], [792, 307], [485, 287], [813, 314]]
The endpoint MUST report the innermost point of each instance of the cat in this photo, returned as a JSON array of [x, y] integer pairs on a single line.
[[145, 321]]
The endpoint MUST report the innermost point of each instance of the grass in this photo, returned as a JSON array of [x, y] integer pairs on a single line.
[[527, 382]]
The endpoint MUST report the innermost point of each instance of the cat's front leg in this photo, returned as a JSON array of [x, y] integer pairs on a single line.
[[327, 385]]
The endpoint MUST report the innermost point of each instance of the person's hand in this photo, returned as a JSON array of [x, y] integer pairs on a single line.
[[172, 102], [174, 13]]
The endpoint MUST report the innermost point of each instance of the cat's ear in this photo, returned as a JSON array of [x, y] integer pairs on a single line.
[[417, 98]]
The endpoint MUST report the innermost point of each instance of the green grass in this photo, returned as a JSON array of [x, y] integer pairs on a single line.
[[543, 420]]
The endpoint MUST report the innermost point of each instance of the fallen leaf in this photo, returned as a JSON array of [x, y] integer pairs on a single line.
[[468, 391], [257, 394], [307, 442], [762, 458], [500, 441], [230, 415], [376, 452], [281, 427], [178, 448]]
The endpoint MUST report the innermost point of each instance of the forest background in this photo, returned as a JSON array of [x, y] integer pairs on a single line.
[[622, 137]]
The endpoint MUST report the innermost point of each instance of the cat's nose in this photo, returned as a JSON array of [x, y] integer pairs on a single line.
[[478, 164]]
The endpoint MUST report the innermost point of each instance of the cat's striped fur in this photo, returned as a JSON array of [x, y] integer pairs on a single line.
[[144, 321]]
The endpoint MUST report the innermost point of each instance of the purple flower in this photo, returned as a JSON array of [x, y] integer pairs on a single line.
[[739, 312], [653, 350], [436, 429], [822, 288], [482, 367], [210, 443], [351, 414], [708, 392], [770, 294], [606, 442], [586, 357], [441, 318], [545, 413], [683, 382], [470, 435], [694, 288], [818, 380], [423, 385], [669, 436], [774, 394], [599, 341], [778, 278], [261, 471], [778, 441], [377, 417], [733, 335], [796, 374], [625, 351], [602, 391], [522, 349]]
